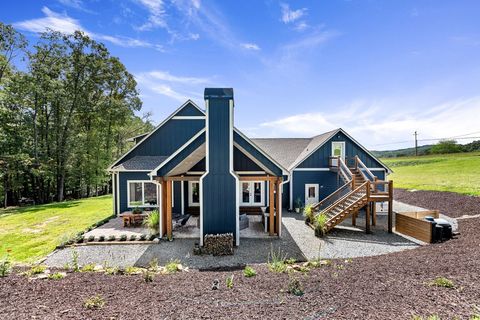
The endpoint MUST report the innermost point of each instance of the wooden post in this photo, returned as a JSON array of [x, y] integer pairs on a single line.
[[169, 209], [353, 182], [354, 218], [390, 206], [374, 213], [277, 206], [164, 208], [272, 207], [367, 211]]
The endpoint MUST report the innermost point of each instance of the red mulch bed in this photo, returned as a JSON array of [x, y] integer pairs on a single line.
[[449, 203], [393, 286]]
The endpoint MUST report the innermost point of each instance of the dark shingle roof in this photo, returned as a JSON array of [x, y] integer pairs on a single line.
[[141, 163], [283, 150]]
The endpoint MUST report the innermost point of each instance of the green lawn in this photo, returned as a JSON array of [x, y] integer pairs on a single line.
[[458, 172], [33, 232]]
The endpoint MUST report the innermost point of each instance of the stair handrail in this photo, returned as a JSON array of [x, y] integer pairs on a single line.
[[319, 204], [360, 165], [342, 167], [363, 185]]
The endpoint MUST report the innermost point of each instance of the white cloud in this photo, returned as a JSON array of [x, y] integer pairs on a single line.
[[176, 87], [157, 17], [289, 15], [196, 4], [250, 46], [75, 4], [369, 122], [63, 23]]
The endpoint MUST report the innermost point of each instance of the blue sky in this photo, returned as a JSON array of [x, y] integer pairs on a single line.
[[378, 69]]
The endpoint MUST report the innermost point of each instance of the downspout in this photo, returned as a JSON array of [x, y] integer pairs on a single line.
[[159, 202]]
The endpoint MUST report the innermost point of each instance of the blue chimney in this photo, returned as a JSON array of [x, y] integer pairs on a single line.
[[219, 208]]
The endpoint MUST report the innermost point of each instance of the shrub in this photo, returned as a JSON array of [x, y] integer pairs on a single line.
[[431, 317], [446, 146], [276, 262], [172, 266], [147, 276], [151, 237], [442, 282], [132, 270], [111, 237], [5, 266], [91, 238], [56, 276], [88, 268], [123, 237], [95, 302], [290, 261], [36, 270], [295, 286], [298, 204], [309, 214], [75, 267], [136, 210], [320, 224], [143, 237], [249, 272], [152, 221], [101, 238], [111, 271], [229, 282], [153, 265], [133, 237]]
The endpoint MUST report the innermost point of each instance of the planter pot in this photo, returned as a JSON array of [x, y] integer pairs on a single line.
[[297, 210]]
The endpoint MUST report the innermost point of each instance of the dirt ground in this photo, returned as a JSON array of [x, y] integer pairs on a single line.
[[393, 286]]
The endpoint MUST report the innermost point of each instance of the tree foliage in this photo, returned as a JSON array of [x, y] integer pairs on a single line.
[[446, 146], [65, 118]]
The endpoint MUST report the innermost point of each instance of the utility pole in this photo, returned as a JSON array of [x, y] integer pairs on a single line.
[[416, 143]]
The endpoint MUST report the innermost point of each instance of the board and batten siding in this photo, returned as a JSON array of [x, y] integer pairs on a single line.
[[189, 110], [168, 138], [327, 182], [320, 158]]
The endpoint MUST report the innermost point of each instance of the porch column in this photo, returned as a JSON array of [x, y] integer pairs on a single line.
[[278, 224], [390, 206], [169, 208], [271, 186], [164, 207]]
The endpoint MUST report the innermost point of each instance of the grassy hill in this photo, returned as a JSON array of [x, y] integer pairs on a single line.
[[459, 172], [33, 232]]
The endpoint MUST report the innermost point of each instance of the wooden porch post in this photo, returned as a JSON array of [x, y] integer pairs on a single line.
[[278, 223], [374, 213], [169, 209], [390, 206], [354, 218], [164, 207], [367, 211], [271, 187]]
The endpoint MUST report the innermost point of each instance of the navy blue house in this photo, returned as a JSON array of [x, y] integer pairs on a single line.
[[196, 162]]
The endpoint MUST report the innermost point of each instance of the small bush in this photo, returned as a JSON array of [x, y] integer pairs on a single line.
[[5, 266], [111, 237], [153, 265], [308, 213], [295, 286], [123, 237], [101, 238], [132, 270], [75, 267], [111, 271], [88, 268], [148, 276], [152, 221], [229, 282], [431, 317], [442, 282], [36, 270], [172, 266], [143, 237], [91, 238], [320, 224], [249, 272], [56, 276], [290, 261], [151, 237], [276, 262], [95, 302], [133, 237]]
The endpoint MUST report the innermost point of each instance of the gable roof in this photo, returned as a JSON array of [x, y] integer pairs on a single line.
[[140, 163], [284, 150], [188, 102]]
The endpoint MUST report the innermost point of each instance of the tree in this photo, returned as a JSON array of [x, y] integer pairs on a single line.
[[446, 146]]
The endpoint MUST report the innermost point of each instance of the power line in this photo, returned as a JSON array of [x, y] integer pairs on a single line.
[[459, 137]]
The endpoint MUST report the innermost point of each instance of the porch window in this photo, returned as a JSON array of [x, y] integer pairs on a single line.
[[142, 194], [193, 193], [252, 193]]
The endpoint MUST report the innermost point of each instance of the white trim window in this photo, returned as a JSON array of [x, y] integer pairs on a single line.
[[142, 194], [252, 193], [193, 193]]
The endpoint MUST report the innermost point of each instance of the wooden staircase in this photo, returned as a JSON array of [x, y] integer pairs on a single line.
[[361, 190]]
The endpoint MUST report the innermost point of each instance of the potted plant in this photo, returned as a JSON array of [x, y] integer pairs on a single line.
[[298, 205], [320, 224], [309, 215]]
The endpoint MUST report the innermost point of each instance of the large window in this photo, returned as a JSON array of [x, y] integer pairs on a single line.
[[142, 194], [193, 193], [252, 193]]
